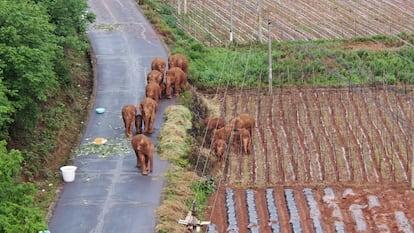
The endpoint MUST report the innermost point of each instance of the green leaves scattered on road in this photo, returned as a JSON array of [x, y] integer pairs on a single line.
[[114, 146]]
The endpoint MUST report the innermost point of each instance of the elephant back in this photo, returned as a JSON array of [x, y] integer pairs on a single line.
[[147, 106], [155, 76], [128, 110], [159, 64], [178, 60], [153, 90]]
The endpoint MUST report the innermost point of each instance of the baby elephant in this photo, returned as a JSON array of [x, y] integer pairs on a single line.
[[144, 151], [219, 148], [138, 123]]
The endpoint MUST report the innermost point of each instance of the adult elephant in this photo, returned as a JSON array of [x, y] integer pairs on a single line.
[[128, 116], [155, 76], [153, 91], [245, 139], [176, 80], [243, 120], [178, 60], [223, 133], [144, 151], [148, 108], [159, 64], [219, 148], [213, 123]]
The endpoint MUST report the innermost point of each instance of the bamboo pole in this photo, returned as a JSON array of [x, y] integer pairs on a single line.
[[270, 59], [412, 163]]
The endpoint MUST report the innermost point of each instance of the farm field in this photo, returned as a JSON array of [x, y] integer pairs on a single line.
[[323, 160], [211, 21]]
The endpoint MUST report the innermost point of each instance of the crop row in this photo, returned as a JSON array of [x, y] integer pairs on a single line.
[[310, 210], [359, 136], [212, 20]]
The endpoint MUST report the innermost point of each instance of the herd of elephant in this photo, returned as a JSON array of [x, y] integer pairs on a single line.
[[237, 131], [145, 112]]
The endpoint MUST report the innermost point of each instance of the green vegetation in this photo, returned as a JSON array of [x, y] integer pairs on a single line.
[[359, 61], [44, 62], [183, 186], [173, 145], [203, 189], [17, 207], [43, 46], [174, 142], [116, 146], [304, 63]]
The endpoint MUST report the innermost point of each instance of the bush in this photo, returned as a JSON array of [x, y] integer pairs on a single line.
[[17, 207]]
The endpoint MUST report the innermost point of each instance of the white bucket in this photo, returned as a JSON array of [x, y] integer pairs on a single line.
[[68, 173]]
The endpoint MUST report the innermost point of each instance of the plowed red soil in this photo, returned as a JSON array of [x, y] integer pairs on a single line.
[[210, 21], [357, 142]]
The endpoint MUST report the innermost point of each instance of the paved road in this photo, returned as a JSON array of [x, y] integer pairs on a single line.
[[109, 194]]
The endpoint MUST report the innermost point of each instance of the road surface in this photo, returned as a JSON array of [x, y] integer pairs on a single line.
[[109, 193]]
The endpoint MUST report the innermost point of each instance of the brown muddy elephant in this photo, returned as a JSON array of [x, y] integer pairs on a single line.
[[219, 148], [178, 60], [243, 120], [153, 91], [144, 151], [223, 133], [155, 76], [148, 108], [213, 123], [128, 116], [176, 80], [159, 64], [245, 139], [138, 123]]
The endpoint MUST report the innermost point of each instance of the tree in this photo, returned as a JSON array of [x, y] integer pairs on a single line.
[[28, 48], [6, 109], [17, 211]]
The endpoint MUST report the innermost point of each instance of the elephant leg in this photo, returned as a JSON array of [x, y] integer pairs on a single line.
[[126, 126], [144, 168], [163, 90], [125, 122], [138, 123], [177, 90], [151, 160], [168, 90], [146, 124], [151, 123], [146, 162], [130, 127], [137, 154], [248, 151], [246, 147], [174, 89]]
